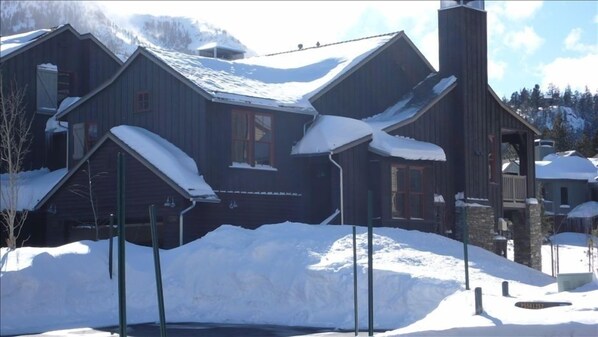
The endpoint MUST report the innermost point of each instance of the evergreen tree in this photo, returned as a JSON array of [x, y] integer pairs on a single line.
[[515, 101], [567, 97], [584, 144], [536, 97], [554, 94], [524, 98], [560, 133]]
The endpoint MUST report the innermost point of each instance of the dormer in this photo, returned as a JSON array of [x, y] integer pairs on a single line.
[[220, 51]]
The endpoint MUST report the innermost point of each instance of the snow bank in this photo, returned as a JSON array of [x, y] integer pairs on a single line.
[[288, 274]]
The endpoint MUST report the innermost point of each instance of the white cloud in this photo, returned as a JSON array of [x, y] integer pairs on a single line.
[[573, 42], [576, 72], [496, 70], [526, 39], [521, 10]]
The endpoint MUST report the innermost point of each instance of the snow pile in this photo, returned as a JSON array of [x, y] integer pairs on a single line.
[[12, 43], [288, 274], [32, 186], [167, 158], [405, 147], [586, 210]]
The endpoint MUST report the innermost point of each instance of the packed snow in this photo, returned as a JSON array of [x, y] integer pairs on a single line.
[[588, 209], [167, 158], [12, 43], [32, 186], [293, 274], [572, 167], [405, 147]]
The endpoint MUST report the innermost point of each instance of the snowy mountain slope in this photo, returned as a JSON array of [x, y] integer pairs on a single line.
[[120, 34], [544, 118]]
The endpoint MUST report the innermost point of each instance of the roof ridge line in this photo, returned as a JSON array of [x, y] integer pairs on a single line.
[[334, 43]]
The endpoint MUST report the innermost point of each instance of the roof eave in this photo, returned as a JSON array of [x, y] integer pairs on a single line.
[[513, 113]]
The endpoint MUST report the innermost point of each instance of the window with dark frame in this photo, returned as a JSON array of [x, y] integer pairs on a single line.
[[564, 196], [407, 192], [65, 84], [142, 101], [252, 138], [85, 136]]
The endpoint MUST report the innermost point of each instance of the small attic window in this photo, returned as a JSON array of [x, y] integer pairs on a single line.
[[142, 101]]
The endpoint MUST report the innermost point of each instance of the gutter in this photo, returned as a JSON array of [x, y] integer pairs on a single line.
[[341, 187], [193, 203]]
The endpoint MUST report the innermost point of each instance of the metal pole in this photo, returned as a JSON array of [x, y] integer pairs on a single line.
[[111, 244], [370, 268], [355, 313], [465, 257], [122, 293], [158, 271]]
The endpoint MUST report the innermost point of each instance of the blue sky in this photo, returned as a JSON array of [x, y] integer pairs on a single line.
[[529, 41]]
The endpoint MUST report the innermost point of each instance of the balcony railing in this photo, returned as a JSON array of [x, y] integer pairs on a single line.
[[514, 190]]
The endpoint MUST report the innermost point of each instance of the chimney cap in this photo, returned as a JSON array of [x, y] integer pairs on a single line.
[[477, 4]]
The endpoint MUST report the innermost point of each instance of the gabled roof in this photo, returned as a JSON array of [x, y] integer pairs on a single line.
[[513, 113], [284, 82], [161, 157], [33, 186], [13, 45], [413, 104]]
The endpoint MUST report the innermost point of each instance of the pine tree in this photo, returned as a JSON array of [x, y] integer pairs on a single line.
[[560, 133], [567, 97], [536, 97]]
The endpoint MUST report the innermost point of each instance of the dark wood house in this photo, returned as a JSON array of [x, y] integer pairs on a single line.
[[51, 65], [297, 136]]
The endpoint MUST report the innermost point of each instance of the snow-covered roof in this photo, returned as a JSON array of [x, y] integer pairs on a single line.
[[12, 43], [286, 80], [32, 187], [53, 125], [414, 102], [572, 167], [329, 134], [333, 134], [586, 210], [404, 147], [167, 158], [220, 45]]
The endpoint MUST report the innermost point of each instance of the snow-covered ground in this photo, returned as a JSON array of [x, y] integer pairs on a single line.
[[301, 275]]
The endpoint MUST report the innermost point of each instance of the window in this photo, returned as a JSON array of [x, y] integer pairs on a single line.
[[142, 101], [85, 135], [252, 138], [407, 192], [64, 85], [46, 90], [564, 196]]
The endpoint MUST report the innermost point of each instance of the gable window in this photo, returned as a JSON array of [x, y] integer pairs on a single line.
[[407, 192], [142, 101], [85, 135], [64, 85], [564, 196], [47, 89], [252, 138]]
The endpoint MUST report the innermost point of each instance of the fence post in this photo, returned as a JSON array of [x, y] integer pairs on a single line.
[[505, 288], [478, 301]]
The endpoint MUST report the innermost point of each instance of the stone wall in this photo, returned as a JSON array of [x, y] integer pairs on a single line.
[[480, 221], [527, 236]]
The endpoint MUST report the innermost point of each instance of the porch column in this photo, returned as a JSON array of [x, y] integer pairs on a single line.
[[527, 235]]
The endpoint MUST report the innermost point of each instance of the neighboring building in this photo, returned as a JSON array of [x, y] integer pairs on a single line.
[[51, 65], [299, 135], [221, 51]]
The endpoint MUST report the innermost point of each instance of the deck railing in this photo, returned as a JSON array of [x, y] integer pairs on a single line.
[[514, 188]]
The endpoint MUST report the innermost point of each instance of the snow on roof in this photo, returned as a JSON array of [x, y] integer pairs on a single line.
[[281, 80], [32, 187], [53, 125], [12, 43], [220, 45], [404, 147], [411, 103], [566, 168], [329, 133], [586, 210], [167, 158]]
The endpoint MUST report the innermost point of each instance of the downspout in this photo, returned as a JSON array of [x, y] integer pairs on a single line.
[[340, 169], [67, 147], [181, 221]]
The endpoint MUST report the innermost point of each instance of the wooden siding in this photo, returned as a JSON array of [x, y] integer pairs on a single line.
[[177, 113], [377, 85], [68, 53], [142, 188]]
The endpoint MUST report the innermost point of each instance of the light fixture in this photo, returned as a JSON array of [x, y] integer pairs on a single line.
[[52, 209], [169, 202]]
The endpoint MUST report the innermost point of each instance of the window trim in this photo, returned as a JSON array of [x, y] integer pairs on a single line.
[[89, 138], [251, 141], [142, 101], [394, 168]]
